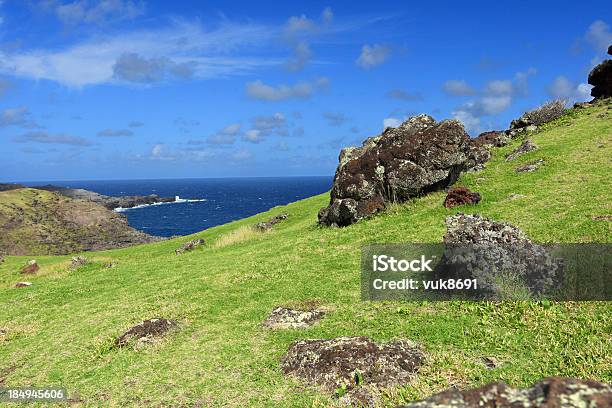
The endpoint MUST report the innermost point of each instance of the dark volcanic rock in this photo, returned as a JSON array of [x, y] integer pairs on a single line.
[[530, 167], [285, 318], [272, 221], [525, 147], [188, 246], [461, 196], [107, 201], [419, 156], [487, 250], [349, 362], [146, 331], [494, 138], [552, 392], [601, 79], [31, 267]]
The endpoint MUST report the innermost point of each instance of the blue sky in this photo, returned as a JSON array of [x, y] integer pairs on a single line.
[[121, 89]]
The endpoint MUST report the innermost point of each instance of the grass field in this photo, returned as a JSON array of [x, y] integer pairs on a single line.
[[60, 331]]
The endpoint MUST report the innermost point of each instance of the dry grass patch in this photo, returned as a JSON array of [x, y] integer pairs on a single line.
[[240, 234]]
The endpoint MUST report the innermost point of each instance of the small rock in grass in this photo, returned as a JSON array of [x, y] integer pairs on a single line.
[[267, 226], [526, 146], [78, 261], [346, 363], [605, 217], [490, 362], [530, 167], [146, 331], [515, 196], [23, 284], [461, 196], [31, 267], [110, 265], [189, 246], [284, 318]]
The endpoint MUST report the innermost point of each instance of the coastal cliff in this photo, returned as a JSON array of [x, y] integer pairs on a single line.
[[40, 222]]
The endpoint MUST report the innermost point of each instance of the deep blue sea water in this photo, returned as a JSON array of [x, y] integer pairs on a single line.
[[225, 199]]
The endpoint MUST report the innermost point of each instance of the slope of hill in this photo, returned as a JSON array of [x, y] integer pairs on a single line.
[[34, 221], [61, 330]]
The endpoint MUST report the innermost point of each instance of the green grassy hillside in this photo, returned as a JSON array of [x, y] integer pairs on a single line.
[[60, 331]]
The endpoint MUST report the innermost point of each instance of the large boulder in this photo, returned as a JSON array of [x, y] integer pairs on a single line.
[[350, 362], [419, 156], [601, 79], [499, 255], [552, 392]]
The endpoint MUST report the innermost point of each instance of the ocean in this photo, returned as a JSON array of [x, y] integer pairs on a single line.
[[209, 202]]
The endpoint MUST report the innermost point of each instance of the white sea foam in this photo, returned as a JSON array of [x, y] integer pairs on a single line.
[[177, 200]]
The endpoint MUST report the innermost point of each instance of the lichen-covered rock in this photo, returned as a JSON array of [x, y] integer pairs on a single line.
[[419, 156], [78, 261], [526, 146], [31, 267], [493, 138], [188, 246], [349, 362], [285, 318], [272, 221], [530, 167], [497, 254], [146, 331], [552, 392], [461, 196], [601, 79]]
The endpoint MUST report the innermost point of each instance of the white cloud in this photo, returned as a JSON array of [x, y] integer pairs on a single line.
[[115, 133], [335, 119], [225, 136], [563, 88], [599, 36], [301, 90], [499, 87], [470, 122], [46, 138], [183, 45], [242, 154], [372, 55], [99, 12], [457, 87], [327, 15], [17, 117], [391, 122], [253, 136], [301, 55]]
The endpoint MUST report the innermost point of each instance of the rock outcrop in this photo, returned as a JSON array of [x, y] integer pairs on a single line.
[[189, 246], [30, 268], [525, 147], [419, 156], [107, 201], [350, 362], [146, 331], [286, 318], [461, 196], [272, 221], [530, 167], [601, 79], [498, 255], [552, 392]]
